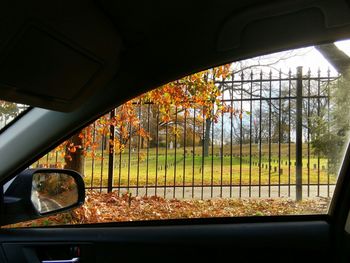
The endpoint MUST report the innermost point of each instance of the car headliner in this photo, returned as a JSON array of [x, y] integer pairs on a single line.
[[107, 52]]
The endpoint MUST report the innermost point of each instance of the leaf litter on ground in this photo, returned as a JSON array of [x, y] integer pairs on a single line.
[[109, 207]]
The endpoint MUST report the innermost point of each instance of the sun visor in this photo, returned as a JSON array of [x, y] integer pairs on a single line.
[[42, 70], [40, 66], [334, 14]]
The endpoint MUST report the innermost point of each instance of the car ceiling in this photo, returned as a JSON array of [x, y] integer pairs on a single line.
[[81, 58], [58, 54]]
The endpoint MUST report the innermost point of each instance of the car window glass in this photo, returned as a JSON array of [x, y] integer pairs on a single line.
[[259, 137], [9, 111]]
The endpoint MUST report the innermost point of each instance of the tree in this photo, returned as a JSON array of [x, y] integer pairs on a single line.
[[170, 105], [74, 153], [8, 111], [195, 92], [331, 129], [250, 69]]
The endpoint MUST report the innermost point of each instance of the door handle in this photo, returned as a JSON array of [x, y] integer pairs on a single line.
[[73, 260]]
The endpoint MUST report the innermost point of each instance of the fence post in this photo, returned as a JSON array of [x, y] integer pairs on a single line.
[[299, 135], [111, 154]]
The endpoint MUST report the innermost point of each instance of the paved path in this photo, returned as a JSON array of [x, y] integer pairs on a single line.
[[48, 205], [235, 192]]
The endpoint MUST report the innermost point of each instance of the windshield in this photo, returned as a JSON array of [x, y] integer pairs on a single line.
[[9, 111]]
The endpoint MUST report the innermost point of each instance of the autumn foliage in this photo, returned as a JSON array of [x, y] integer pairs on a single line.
[[197, 91], [109, 207]]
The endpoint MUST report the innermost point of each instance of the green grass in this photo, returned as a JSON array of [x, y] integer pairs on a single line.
[[197, 172], [193, 169]]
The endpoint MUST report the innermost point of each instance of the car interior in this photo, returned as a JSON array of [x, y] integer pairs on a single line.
[[73, 61]]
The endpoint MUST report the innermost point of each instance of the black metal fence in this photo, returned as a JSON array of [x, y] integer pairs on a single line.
[[264, 146]]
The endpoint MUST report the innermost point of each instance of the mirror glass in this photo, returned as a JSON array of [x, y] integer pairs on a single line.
[[53, 191]]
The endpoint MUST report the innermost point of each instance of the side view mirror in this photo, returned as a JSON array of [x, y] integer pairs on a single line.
[[35, 193]]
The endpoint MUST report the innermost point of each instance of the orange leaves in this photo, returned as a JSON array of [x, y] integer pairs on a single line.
[[222, 71], [109, 207], [197, 91], [143, 133], [196, 94]]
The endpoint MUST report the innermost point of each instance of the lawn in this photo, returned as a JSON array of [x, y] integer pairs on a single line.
[[173, 167]]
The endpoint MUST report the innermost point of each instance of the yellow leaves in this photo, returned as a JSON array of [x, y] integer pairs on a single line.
[[222, 71], [166, 118], [176, 131]]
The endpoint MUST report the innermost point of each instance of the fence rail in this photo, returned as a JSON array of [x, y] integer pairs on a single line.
[[262, 147]]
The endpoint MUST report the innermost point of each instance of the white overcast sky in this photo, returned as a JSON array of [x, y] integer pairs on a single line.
[[310, 58]]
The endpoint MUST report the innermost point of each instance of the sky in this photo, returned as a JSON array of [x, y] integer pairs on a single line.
[[344, 45], [309, 58]]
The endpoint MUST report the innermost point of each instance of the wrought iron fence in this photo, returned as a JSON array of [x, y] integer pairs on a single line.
[[262, 147]]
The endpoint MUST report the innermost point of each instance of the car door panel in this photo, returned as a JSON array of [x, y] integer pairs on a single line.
[[246, 242]]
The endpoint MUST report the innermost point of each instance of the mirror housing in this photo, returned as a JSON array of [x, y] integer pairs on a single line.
[[23, 197]]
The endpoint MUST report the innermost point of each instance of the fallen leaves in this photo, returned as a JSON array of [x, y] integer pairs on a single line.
[[109, 207]]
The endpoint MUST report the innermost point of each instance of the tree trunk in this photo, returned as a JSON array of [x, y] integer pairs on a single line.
[[75, 160], [206, 141], [142, 142]]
